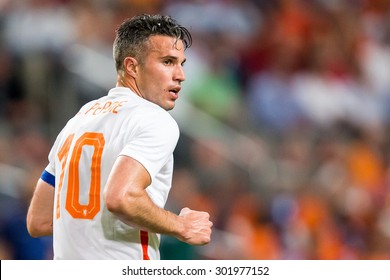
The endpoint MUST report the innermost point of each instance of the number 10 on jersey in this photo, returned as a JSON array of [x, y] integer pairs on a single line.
[[73, 205]]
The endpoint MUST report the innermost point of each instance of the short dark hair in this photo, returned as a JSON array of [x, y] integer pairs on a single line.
[[134, 32]]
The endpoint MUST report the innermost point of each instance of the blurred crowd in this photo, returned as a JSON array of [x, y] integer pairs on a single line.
[[305, 83]]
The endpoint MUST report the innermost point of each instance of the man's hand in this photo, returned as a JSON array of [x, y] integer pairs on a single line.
[[197, 227]]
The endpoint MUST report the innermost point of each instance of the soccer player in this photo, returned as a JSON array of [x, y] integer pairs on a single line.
[[102, 195]]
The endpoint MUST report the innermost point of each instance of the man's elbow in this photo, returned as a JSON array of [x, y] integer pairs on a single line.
[[113, 202], [121, 206], [38, 229], [34, 232]]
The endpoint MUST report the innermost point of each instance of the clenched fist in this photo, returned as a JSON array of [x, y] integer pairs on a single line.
[[196, 227]]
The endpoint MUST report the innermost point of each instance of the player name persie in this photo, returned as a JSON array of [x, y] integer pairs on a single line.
[[107, 107]]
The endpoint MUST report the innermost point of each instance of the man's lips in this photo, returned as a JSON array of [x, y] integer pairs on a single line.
[[175, 91]]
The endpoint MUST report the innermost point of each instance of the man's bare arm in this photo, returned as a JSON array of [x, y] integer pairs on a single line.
[[40, 212], [125, 196]]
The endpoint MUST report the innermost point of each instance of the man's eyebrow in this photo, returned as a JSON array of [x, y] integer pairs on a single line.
[[170, 57]]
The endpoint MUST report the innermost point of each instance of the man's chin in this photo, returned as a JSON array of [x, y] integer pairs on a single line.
[[169, 106]]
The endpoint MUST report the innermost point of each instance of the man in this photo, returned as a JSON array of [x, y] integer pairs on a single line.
[[111, 165]]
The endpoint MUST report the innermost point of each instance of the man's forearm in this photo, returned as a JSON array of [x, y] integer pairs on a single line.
[[139, 210]]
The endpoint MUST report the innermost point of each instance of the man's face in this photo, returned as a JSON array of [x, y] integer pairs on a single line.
[[161, 73]]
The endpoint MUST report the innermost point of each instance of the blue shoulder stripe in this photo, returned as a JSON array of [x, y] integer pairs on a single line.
[[48, 178]]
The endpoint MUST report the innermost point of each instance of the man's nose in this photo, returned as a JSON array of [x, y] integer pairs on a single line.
[[179, 74]]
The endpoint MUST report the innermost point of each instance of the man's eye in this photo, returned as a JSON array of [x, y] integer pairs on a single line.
[[168, 62]]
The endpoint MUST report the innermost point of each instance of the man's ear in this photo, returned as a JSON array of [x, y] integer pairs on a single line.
[[130, 65]]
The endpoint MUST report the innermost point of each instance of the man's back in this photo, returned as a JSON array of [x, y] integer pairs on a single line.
[[82, 157]]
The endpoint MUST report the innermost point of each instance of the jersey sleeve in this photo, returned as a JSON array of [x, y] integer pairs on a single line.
[[154, 142], [48, 174], [48, 177]]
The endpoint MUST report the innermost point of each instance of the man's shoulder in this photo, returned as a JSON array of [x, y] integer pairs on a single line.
[[154, 111]]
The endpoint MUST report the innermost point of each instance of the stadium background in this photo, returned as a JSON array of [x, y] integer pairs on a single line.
[[284, 118]]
